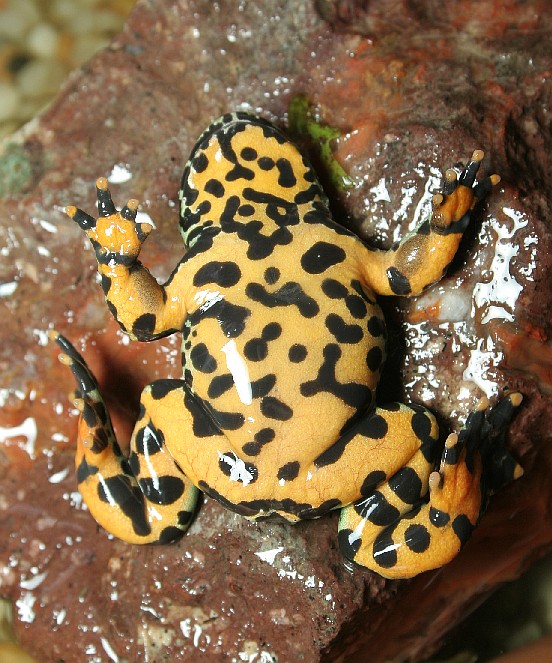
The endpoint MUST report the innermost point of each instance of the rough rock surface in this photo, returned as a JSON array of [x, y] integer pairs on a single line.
[[413, 92]]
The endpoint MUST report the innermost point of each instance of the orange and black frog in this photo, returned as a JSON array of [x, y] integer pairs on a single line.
[[282, 347]]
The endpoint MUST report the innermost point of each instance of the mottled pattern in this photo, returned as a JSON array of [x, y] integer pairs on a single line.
[[282, 346]]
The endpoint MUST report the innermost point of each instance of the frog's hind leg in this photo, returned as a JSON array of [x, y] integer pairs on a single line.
[[474, 464], [144, 498]]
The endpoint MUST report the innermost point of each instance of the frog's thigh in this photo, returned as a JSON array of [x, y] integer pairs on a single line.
[[391, 437], [204, 452], [189, 432]]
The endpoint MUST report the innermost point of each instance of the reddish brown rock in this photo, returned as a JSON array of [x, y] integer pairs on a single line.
[[410, 102]]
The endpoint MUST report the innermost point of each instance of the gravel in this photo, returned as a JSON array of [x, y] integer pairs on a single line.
[[41, 42]]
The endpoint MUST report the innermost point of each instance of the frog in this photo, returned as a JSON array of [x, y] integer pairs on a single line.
[[283, 343]]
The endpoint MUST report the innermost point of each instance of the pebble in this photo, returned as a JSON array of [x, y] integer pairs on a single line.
[[41, 42], [39, 78], [9, 101]]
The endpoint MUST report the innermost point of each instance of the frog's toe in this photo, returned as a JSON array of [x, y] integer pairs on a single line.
[[106, 206], [84, 220], [450, 182], [460, 193], [499, 466], [481, 446], [501, 414], [87, 386], [455, 492], [468, 174], [95, 430], [483, 188], [467, 178]]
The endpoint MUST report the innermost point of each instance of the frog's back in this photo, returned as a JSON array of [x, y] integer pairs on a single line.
[[281, 334]]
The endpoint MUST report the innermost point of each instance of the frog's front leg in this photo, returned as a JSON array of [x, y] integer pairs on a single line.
[[144, 498], [405, 542], [422, 257], [143, 308]]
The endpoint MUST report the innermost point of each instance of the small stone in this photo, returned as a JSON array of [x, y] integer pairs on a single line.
[[43, 40], [9, 101], [30, 9], [39, 78], [64, 11], [14, 24]]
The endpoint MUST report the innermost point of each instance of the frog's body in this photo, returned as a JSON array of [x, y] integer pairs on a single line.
[[283, 342]]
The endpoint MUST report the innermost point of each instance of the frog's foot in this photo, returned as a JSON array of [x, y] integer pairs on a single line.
[[138, 302], [115, 236], [144, 498], [422, 257], [451, 209], [485, 432], [430, 535]]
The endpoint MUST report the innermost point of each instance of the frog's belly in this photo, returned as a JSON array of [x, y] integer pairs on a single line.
[[281, 383]]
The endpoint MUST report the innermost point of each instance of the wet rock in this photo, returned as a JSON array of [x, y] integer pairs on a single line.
[[410, 103]]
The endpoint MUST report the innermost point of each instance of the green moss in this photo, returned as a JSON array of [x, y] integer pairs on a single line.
[[303, 126], [15, 169]]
